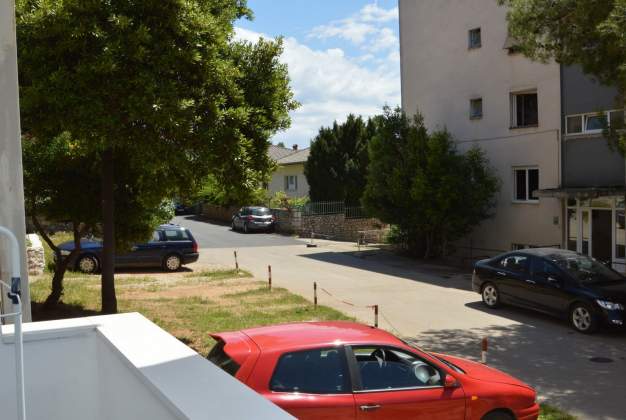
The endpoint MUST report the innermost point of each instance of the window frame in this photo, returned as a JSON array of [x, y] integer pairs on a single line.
[[473, 101], [583, 117], [514, 124], [288, 184], [529, 198], [343, 355], [355, 375], [471, 44]]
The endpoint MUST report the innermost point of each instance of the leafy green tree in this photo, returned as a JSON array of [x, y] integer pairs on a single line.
[[156, 88], [591, 33], [337, 164], [62, 185], [421, 183]]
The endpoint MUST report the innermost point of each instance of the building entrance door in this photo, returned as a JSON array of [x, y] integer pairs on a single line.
[[601, 237]]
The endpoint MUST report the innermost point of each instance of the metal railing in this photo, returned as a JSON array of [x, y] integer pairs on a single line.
[[318, 208]]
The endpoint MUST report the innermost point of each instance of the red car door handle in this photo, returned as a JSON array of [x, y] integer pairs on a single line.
[[370, 407]]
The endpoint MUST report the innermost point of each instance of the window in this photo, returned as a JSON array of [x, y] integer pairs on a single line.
[[524, 110], [176, 235], [543, 269], [319, 371], [594, 123], [526, 182], [156, 236], [262, 211], [476, 108], [515, 263], [383, 368], [620, 235], [291, 182], [517, 247], [218, 357], [474, 38]]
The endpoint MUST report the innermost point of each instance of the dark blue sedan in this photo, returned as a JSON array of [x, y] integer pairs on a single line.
[[170, 248]]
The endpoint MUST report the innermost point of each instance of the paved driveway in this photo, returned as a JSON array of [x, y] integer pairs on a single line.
[[434, 306]]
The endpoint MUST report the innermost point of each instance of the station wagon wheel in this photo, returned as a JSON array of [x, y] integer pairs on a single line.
[[491, 295], [583, 319], [172, 263], [87, 264]]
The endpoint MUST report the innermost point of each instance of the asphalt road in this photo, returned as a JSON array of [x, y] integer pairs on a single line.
[[434, 306], [215, 235]]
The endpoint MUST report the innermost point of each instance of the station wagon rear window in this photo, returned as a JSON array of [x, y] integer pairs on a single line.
[[176, 235]]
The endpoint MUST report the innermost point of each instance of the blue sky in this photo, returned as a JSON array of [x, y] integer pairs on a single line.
[[343, 57]]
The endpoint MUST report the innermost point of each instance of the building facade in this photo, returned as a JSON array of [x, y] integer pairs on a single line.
[[462, 73], [540, 124], [289, 174]]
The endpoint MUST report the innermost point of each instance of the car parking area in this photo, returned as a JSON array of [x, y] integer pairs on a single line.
[[434, 306]]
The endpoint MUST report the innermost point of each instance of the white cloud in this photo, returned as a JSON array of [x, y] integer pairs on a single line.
[[374, 13], [330, 85], [366, 29]]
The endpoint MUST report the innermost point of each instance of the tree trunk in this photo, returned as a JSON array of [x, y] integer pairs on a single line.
[[60, 268], [109, 301]]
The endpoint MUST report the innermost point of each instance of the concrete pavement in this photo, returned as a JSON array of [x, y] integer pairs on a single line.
[[435, 307]]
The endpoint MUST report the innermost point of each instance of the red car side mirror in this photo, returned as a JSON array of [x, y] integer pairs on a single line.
[[450, 382]]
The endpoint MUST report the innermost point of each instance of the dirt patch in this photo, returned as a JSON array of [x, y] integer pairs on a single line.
[[207, 290]]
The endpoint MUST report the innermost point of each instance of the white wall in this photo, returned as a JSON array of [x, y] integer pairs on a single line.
[[277, 183], [11, 186], [120, 367], [439, 77]]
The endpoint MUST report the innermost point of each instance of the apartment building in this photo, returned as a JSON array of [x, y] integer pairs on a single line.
[[540, 125]]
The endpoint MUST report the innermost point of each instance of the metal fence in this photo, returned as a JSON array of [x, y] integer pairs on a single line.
[[316, 208]]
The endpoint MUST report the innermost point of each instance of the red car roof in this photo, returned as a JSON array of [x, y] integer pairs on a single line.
[[314, 334]]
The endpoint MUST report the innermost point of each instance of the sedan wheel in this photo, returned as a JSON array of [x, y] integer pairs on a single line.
[[232, 226], [245, 228], [490, 295], [87, 264], [172, 263], [582, 318]]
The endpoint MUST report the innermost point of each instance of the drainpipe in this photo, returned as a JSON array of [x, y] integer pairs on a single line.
[[14, 295]]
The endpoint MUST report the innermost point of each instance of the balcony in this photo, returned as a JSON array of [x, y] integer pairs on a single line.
[[119, 367]]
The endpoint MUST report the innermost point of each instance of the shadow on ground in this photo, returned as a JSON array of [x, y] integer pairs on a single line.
[[385, 262], [546, 354], [59, 311]]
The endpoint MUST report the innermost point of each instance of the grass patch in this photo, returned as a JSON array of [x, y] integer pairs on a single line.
[[219, 274], [187, 306], [549, 412]]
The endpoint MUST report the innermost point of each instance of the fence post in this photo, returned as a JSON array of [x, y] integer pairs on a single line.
[[484, 348], [376, 316], [315, 294], [269, 276], [236, 263]]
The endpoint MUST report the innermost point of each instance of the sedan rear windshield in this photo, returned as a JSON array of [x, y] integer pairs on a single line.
[[221, 359], [260, 212]]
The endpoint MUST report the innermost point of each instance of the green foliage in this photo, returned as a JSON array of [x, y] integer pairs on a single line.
[[215, 192], [591, 34], [62, 183], [419, 182], [281, 200], [338, 161]]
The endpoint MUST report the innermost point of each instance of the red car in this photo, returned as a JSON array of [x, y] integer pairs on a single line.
[[345, 370]]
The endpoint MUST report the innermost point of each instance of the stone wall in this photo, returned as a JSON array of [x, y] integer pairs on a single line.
[[337, 226], [219, 213], [35, 255]]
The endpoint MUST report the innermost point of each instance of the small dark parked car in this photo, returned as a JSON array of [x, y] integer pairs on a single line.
[[171, 247], [253, 218], [554, 281]]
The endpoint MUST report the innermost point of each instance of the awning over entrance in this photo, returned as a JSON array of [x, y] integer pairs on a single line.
[[580, 193]]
